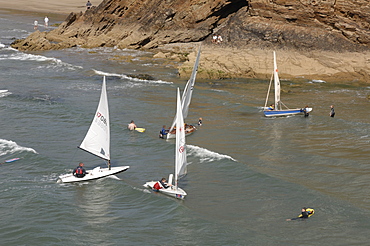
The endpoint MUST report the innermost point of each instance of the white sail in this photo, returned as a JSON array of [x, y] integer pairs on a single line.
[[188, 91], [97, 139], [276, 85], [180, 149]]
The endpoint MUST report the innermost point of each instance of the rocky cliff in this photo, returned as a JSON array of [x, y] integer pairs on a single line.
[[305, 25]]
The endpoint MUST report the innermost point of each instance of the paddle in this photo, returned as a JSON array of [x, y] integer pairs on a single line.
[[10, 160], [140, 129]]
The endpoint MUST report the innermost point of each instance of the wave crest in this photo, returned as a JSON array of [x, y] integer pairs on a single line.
[[9, 147], [206, 155], [123, 76]]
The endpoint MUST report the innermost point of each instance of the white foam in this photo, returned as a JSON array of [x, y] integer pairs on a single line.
[[2, 45], [10, 147], [206, 155], [216, 90], [30, 57], [4, 93], [131, 78], [317, 81]]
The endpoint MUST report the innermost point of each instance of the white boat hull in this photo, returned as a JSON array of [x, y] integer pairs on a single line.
[[170, 191], [95, 173]]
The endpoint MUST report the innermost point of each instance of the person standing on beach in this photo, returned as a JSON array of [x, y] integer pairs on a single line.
[[35, 25], [88, 4], [46, 21], [332, 112]]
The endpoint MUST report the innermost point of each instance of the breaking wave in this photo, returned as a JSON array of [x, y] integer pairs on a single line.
[[206, 155], [8, 147], [4, 93], [123, 76], [20, 56]]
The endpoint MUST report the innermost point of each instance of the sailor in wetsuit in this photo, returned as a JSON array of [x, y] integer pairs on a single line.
[[163, 132], [162, 184], [306, 213], [332, 112], [79, 171]]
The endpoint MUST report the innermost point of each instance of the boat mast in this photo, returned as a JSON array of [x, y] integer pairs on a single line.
[[276, 85]]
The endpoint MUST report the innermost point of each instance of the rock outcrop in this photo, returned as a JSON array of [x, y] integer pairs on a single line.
[[305, 25]]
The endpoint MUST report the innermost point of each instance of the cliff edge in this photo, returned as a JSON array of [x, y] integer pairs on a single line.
[[310, 27]]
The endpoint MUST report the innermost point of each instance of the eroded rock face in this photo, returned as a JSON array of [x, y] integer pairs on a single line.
[[328, 25], [319, 24]]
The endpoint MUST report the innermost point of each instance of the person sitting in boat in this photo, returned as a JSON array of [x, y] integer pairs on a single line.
[[163, 132], [305, 214], [131, 126], [79, 171], [162, 184], [271, 107]]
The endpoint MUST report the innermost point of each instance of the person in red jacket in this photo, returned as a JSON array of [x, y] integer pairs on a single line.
[[161, 184], [79, 171]]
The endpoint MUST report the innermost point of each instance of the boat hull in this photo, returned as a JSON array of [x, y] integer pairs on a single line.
[[188, 130], [95, 173], [170, 191], [287, 112]]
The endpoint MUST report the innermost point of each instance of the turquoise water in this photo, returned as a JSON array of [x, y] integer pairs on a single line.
[[246, 173]]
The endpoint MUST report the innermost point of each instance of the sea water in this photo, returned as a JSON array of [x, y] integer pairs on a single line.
[[246, 175]]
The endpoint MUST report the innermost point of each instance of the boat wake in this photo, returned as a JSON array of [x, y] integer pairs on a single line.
[[123, 76], [9, 147], [206, 155]]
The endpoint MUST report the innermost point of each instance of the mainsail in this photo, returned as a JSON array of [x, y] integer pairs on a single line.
[[97, 139], [188, 91], [180, 149]]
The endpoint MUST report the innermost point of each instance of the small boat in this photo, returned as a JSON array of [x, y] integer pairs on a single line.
[[180, 159], [97, 142], [185, 101], [276, 109]]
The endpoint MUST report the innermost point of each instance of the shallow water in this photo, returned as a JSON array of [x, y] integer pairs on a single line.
[[246, 173]]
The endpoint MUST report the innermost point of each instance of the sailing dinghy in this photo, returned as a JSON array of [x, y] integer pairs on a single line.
[[97, 142], [185, 101], [276, 109], [180, 158]]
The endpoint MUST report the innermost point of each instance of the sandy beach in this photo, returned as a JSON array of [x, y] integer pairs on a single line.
[[62, 7]]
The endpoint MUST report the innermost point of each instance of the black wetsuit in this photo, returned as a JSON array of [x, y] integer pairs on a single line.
[[304, 215], [164, 184], [163, 133], [332, 112]]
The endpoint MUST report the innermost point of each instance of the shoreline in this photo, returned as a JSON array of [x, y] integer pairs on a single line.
[[224, 61]]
